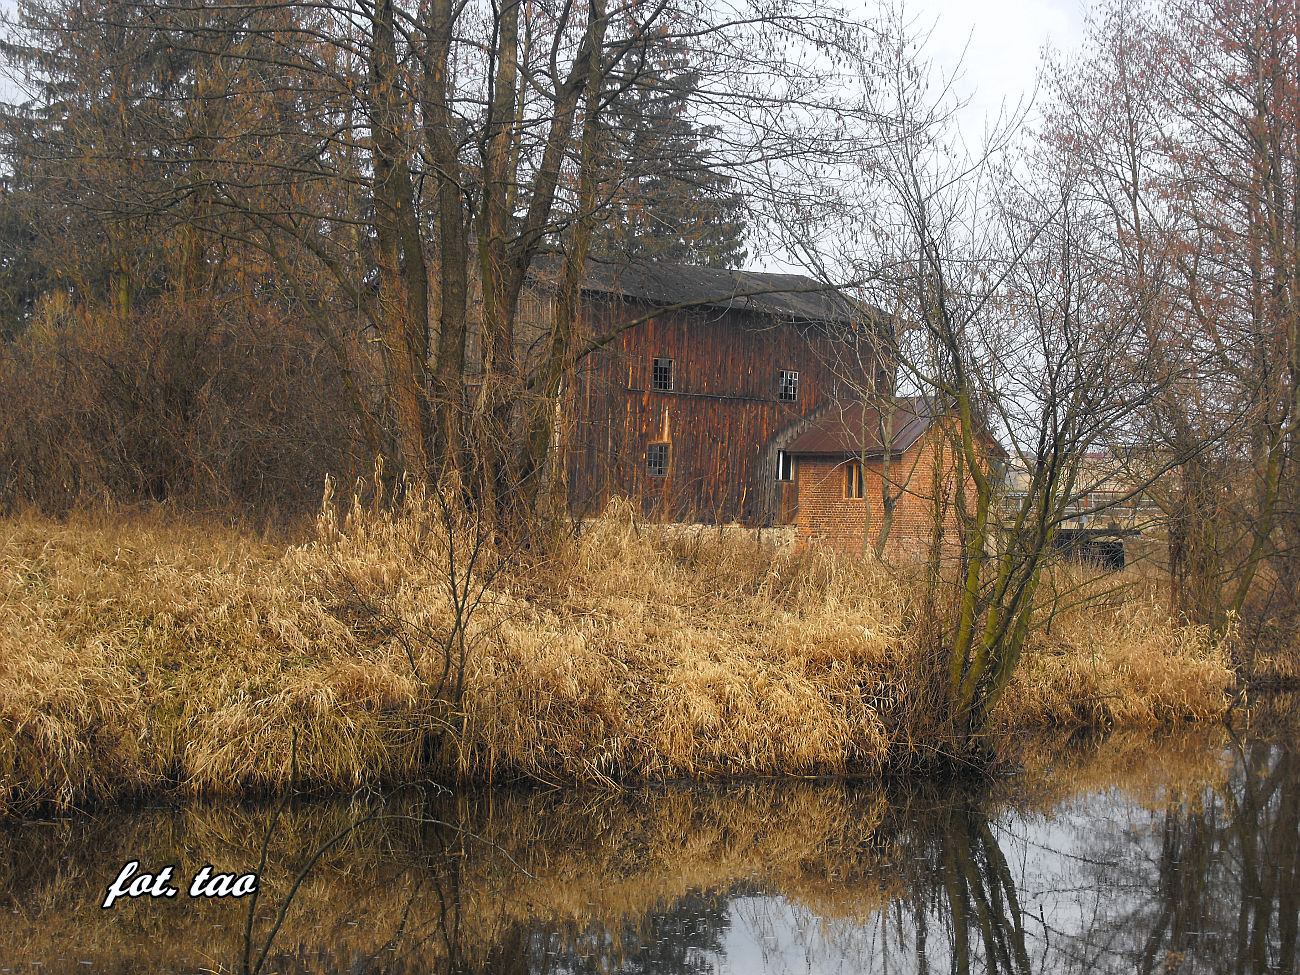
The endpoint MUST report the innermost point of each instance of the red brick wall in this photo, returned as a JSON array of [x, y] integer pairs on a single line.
[[825, 516]]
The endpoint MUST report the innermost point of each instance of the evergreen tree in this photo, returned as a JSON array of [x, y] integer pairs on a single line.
[[669, 197], [23, 276]]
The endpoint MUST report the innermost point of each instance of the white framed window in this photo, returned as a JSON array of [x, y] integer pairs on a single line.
[[788, 386], [661, 374]]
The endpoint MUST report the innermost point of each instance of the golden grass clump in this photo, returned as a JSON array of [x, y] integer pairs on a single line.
[[147, 653], [152, 655], [683, 657], [1125, 665], [1277, 664]]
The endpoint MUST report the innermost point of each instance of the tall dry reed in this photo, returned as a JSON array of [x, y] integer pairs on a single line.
[[144, 653]]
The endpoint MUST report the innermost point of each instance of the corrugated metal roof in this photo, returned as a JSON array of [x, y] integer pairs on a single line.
[[793, 296], [851, 429]]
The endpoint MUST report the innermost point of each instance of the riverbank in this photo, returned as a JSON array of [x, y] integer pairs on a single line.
[[144, 655], [484, 877]]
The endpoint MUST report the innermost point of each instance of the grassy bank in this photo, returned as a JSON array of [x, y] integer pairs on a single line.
[[142, 653]]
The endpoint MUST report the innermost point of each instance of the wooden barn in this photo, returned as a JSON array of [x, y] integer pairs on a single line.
[[705, 375]]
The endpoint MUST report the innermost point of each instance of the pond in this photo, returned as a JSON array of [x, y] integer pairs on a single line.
[[1177, 854]]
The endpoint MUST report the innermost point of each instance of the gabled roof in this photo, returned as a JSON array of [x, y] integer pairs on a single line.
[[852, 429], [791, 296]]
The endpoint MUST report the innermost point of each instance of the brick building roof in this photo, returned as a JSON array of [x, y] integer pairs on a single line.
[[852, 429]]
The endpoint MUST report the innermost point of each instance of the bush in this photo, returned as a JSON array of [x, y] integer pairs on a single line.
[[201, 404]]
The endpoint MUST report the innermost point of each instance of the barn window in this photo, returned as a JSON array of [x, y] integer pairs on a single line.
[[784, 466], [853, 487], [788, 386], [656, 461], [661, 375]]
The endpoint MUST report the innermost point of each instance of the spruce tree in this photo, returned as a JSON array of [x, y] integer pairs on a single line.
[[669, 196], [23, 276]]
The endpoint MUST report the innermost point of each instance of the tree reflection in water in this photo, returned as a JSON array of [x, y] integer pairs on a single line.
[[1197, 874], [981, 897], [1210, 883]]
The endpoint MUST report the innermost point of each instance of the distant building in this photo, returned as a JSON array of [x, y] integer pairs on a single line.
[[704, 374], [730, 396], [852, 457], [1106, 519]]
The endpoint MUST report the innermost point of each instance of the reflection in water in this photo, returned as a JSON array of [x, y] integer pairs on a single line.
[[1178, 858], [980, 895], [1209, 883]]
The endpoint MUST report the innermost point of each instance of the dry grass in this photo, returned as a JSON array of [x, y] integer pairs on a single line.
[[1277, 662], [1119, 662], [143, 653]]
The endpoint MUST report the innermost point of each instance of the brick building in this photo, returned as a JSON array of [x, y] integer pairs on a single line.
[[852, 462]]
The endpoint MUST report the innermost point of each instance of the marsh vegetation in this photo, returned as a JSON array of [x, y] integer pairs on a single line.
[[152, 655]]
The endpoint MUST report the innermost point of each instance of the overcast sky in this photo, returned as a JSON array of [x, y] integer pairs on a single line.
[[1002, 42]]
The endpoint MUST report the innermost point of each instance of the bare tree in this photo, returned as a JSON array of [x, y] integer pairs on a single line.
[[1024, 357], [1182, 119], [402, 167]]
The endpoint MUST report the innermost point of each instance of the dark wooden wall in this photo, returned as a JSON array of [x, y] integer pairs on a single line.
[[723, 418]]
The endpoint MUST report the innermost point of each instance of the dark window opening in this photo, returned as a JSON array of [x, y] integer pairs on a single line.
[[853, 486], [788, 390], [784, 466], [661, 375], [656, 460]]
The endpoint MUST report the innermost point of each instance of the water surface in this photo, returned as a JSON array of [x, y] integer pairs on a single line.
[[1179, 855]]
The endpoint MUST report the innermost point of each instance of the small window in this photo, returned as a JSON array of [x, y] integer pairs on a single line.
[[788, 388], [656, 462], [784, 466], [661, 375], [853, 487]]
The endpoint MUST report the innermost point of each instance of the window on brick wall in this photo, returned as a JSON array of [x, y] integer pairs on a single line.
[[784, 466], [787, 389], [661, 375], [853, 486], [656, 460]]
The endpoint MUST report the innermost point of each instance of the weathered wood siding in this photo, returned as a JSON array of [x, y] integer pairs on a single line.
[[722, 419]]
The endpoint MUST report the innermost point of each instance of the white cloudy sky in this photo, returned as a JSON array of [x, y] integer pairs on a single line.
[[998, 44], [991, 49], [995, 45]]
